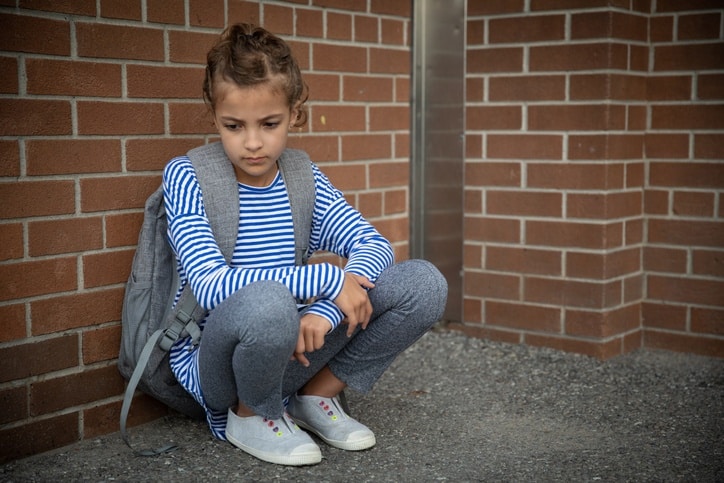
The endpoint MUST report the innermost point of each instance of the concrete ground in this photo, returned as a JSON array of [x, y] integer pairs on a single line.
[[454, 408]]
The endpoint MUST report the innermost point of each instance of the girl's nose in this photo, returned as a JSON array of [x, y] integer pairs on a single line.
[[252, 140]]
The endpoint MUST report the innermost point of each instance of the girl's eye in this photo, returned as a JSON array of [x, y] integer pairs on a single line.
[[231, 127], [271, 125]]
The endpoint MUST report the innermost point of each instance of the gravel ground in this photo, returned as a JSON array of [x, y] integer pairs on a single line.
[[454, 408]]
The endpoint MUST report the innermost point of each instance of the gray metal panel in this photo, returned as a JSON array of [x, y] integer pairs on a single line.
[[438, 147]]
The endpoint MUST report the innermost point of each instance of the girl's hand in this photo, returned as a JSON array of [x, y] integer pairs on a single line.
[[312, 329], [354, 302]]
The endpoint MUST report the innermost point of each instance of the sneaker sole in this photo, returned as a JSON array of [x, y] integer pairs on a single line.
[[302, 459], [358, 445]]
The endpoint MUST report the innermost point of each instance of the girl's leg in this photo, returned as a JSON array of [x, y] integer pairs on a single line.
[[245, 349], [407, 300]]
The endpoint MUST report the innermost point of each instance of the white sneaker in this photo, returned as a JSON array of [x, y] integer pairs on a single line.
[[325, 418], [278, 441]]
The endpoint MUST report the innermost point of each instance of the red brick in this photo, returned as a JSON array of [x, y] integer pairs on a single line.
[[396, 201], [682, 342], [38, 357], [696, 56], [489, 60], [20, 34], [389, 118], [14, 401], [576, 176], [9, 159], [106, 268], [606, 206], [28, 279], [388, 174], [119, 42], [606, 146], [9, 79], [309, 23], [353, 5], [663, 315], [396, 230], [323, 87], [609, 25], [635, 175], [34, 117], [572, 293], [523, 260], [326, 118], [492, 7], [367, 88], [339, 26], [121, 9], [589, 117], [11, 235], [320, 148], [36, 198], [634, 231], [686, 175], [105, 194], [708, 262], [72, 156], [524, 203], [527, 88], [656, 202], [573, 235], [472, 256], [475, 33], [709, 146], [473, 203], [389, 61], [190, 47], [339, 58], [76, 7], [366, 147], [13, 317], [523, 317], [57, 314], [603, 266], [73, 390], [122, 230], [206, 13], [370, 204], [693, 203], [710, 86], [486, 332], [53, 237], [154, 154], [573, 57], [101, 344], [190, 118], [668, 88], [492, 174], [584, 323], [688, 116], [164, 82], [489, 229], [166, 12], [661, 28], [526, 29], [103, 418], [540, 5], [120, 118], [483, 118], [670, 145], [492, 285], [607, 86], [38, 436], [685, 290], [247, 11], [699, 26], [366, 29], [393, 31], [400, 9], [660, 259], [708, 321]]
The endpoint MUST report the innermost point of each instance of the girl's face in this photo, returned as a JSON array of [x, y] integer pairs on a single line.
[[253, 123]]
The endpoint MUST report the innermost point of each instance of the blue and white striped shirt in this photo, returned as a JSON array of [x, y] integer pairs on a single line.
[[264, 251]]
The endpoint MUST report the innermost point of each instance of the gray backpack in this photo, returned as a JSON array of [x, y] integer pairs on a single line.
[[149, 324]]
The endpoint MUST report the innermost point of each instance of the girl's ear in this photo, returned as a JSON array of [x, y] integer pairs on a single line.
[[294, 116]]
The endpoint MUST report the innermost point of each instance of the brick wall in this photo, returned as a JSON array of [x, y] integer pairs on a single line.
[[95, 97], [594, 175]]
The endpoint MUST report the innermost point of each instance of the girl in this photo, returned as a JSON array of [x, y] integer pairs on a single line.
[[261, 344]]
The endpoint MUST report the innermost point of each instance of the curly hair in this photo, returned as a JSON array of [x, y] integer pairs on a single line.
[[248, 56]]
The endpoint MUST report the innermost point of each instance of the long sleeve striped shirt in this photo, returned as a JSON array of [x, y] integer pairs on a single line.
[[264, 250]]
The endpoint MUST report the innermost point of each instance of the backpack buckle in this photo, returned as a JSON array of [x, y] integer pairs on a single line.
[[175, 329]]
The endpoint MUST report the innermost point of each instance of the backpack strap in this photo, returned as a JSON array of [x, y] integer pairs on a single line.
[[296, 168]]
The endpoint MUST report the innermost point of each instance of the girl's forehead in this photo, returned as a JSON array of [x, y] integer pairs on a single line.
[[257, 99]]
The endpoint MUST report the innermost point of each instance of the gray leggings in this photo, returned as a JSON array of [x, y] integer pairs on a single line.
[[249, 338]]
